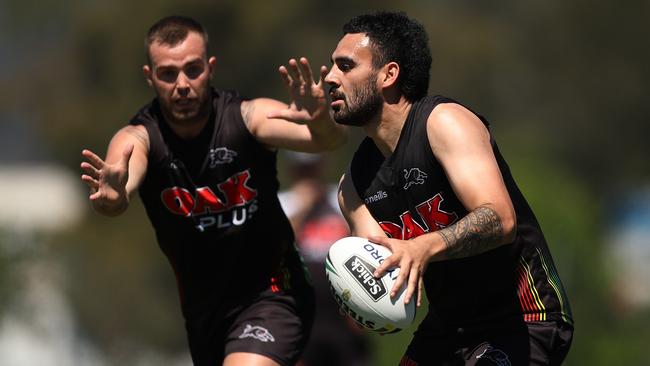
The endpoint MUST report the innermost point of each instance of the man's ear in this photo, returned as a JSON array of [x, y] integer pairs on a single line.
[[212, 63], [389, 74], [146, 70]]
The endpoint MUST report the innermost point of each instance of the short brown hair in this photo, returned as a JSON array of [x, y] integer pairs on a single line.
[[171, 31]]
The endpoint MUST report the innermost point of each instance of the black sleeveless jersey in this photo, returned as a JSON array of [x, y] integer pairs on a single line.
[[212, 201], [408, 194]]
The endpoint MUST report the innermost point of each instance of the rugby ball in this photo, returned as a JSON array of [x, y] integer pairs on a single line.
[[349, 267]]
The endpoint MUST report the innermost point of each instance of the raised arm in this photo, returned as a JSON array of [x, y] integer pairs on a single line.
[[302, 125], [112, 181]]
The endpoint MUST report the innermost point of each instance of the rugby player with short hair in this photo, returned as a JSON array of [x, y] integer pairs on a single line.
[[204, 163]]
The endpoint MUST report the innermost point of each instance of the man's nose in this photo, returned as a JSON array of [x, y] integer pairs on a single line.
[[182, 85], [330, 78]]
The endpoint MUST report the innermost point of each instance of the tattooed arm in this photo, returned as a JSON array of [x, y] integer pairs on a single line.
[[461, 143], [475, 233]]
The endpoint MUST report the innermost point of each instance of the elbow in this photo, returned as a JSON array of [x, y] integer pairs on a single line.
[[509, 227]]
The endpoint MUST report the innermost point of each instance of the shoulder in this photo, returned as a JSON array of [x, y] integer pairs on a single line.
[[450, 112], [453, 122], [135, 133], [227, 101]]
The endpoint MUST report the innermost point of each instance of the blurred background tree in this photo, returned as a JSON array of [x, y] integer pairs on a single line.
[[565, 86]]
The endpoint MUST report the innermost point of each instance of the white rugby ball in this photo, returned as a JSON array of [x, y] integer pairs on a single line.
[[350, 265]]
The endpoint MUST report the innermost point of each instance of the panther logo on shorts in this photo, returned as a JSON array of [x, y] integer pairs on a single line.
[[497, 356], [257, 332]]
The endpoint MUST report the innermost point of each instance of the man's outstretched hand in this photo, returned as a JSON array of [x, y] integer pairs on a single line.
[[308, 96], [107, 182]]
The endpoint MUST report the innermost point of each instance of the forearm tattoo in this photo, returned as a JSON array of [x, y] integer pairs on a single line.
[[247, 109], [475, 233]]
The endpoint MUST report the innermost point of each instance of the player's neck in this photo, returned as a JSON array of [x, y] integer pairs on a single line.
[[386, 131], [187, 129]]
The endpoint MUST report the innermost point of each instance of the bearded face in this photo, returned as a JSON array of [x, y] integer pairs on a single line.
[[359, 106]]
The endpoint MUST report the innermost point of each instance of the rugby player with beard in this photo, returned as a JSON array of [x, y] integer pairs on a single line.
[[429, 183]]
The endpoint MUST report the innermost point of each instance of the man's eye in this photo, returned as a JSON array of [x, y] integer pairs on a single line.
[[168, 76], [344, 66], [194, 72]]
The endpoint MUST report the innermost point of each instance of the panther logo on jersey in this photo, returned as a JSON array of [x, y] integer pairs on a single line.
[[413, 176], [221, 155]]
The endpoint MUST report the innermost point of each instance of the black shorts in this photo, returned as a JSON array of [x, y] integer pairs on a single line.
[[274, 324], [531, 343]]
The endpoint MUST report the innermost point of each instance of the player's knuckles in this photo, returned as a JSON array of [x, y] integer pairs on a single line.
[[407, 261]]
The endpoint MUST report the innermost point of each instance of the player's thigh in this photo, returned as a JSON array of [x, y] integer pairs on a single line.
[[549, 342], [503, 345], [427, 350], [545, 344], [276, 327]]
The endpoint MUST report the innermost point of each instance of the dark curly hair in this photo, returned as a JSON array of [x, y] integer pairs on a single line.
[[396, 37]]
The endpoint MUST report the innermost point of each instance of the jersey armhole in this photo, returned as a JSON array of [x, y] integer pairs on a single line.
[[362, 165]]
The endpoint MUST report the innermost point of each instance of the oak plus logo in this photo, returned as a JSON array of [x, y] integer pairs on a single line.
[[362, 271], [413, 176], [236, 202], [220, 155], [432, 215]]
